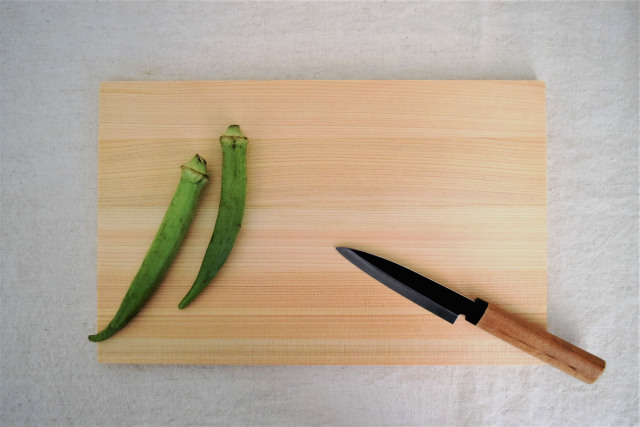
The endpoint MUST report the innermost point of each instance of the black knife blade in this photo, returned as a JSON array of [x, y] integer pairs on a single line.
[[449, 305], [423, 291]]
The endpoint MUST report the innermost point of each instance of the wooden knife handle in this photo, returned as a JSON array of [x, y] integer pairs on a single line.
[[539, 343]]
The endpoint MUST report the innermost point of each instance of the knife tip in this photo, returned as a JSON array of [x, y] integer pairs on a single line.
[[346, 252]]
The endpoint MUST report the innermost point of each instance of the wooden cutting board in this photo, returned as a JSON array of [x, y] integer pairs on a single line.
[[446, 177]]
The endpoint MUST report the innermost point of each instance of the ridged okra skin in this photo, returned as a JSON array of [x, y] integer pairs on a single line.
[[233, 196], [164, 247]]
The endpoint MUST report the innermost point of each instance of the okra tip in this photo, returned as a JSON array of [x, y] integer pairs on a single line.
[[190, 296], [183, 303], [104, 334]]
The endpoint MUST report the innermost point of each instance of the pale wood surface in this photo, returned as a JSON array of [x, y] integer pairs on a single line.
[[445, 177], [545, 346]]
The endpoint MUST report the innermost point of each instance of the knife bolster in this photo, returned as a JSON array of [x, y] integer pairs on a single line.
[[545, 346], [477, 311]]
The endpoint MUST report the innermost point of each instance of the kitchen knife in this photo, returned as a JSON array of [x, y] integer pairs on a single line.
[[448, 304]]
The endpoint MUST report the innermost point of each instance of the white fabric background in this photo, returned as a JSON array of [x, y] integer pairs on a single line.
[[54, 55]]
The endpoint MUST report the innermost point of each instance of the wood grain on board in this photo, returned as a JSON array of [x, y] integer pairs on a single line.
[[445, 177]]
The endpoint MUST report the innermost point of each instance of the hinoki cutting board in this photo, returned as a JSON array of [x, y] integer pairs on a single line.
[[446, 177]]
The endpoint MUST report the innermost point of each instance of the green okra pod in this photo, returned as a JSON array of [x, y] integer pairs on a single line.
[[164, 247], [233, 195]]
